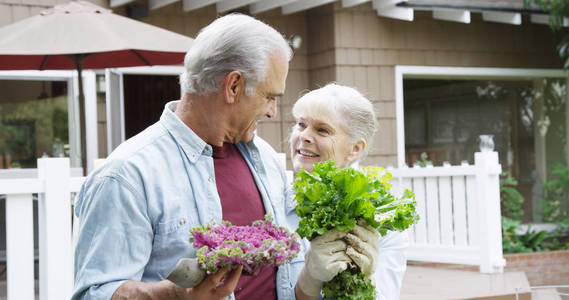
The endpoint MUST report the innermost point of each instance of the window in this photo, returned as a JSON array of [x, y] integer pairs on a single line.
[[445, 110], [39, 115]]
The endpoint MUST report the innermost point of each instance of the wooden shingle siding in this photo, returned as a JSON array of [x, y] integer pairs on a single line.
[[356, 47], [5, 14], [20, 12], [11, 2], [15, 10], [367, 47]]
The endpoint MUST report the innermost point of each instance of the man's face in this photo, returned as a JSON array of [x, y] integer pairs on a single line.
[[263, 102]]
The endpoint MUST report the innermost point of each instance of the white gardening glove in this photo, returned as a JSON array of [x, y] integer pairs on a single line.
[[363, 247], [326, 258]]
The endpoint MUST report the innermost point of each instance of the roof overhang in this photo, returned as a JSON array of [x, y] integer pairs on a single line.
[[502, 11]]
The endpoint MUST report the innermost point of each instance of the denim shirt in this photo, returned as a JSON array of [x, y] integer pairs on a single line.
[[135, 212]]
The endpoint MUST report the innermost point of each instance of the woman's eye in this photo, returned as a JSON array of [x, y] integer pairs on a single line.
[[301, 125], [324, 131]]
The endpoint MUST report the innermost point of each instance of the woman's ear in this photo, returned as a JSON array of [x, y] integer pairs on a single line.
[[234, 84], [357, 150]]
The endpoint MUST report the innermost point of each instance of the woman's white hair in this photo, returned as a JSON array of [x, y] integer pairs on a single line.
[[234, 42], [356, 113]]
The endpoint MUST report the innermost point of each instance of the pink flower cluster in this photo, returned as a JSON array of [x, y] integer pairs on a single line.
[[261, 244]]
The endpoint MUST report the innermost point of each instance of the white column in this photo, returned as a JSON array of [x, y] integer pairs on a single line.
[[540, 145], [20, 247], [91, 138], [54, 214], [489, 216]]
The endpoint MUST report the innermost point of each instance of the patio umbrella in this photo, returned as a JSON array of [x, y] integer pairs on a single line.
[[81, 35]]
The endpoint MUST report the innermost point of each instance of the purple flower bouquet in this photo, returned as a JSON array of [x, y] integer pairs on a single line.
[[261, 244]]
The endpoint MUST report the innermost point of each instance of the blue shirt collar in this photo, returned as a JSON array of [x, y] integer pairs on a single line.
[[190, 142]]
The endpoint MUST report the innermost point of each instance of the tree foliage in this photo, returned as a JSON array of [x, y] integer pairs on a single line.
[[511, 200], [558, 10]]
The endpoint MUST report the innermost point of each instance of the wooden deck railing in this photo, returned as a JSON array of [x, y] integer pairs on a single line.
[[459, 208]]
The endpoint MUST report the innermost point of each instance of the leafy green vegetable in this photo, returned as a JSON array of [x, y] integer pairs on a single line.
[[331, 198], [335, 198], [350, 284]]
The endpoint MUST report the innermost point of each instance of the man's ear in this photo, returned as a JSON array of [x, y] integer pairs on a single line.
[[233, 87], [357, 150]]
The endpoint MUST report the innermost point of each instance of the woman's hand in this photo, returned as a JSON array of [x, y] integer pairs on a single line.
[[325, 259], [363, 247]]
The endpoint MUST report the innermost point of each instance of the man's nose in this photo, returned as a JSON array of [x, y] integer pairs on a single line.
[[272, 111]]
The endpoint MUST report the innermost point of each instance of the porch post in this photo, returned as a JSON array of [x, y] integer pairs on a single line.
[[489, 216], [54, 225], [20, 246]]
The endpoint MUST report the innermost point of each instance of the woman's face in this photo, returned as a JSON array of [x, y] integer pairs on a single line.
[[317, 139]]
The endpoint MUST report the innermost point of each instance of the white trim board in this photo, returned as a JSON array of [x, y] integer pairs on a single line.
[[48, 75], [152, 70], [432, 72]]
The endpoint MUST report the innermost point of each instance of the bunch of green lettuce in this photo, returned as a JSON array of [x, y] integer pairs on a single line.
[[331, 198]]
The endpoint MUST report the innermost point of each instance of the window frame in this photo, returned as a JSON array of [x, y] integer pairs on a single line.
[[432, 72], [119, 128], [89, 88]]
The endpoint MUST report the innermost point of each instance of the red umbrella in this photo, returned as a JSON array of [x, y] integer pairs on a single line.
[[81, 35]]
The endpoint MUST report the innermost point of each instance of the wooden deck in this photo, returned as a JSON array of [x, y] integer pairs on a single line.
[[423, 283]]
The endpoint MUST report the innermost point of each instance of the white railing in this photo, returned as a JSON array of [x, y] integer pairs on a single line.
[[459, 207], [54, 185]]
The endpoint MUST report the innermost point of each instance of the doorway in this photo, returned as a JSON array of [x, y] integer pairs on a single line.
[[144, 99]]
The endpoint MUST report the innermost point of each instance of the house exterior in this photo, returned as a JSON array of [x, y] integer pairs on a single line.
[[440, 74]]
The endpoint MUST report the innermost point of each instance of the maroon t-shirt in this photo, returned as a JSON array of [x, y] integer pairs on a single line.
[[241, 204]]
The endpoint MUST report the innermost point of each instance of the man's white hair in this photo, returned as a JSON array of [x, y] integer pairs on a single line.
[[234, 42]]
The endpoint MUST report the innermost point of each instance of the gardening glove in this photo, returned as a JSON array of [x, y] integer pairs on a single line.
[[187, 273], [363, 247], [325, 259]]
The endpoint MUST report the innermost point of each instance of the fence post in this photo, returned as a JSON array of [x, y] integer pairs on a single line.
[[489, 216], [20, 246], [54, 224]]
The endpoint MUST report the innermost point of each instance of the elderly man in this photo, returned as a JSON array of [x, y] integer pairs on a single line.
[[200, 162]]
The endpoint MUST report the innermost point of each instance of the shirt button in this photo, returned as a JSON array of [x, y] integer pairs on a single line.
[[209, 179], [182, 221]]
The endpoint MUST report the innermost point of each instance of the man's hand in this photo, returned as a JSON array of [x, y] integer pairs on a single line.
[[326, 258], [363, 247], [218, 285], [214, 287]]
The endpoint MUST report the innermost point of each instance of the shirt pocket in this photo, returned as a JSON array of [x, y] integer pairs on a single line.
[[172, 237], [171, 225]]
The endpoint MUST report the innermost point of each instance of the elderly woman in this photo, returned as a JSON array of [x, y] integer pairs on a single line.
[[337, 122]]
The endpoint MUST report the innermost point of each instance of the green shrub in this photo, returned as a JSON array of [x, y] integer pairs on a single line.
[[556, 196], [510, 199]]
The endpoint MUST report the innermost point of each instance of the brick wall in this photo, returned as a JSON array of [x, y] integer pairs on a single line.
[[541, 268]]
